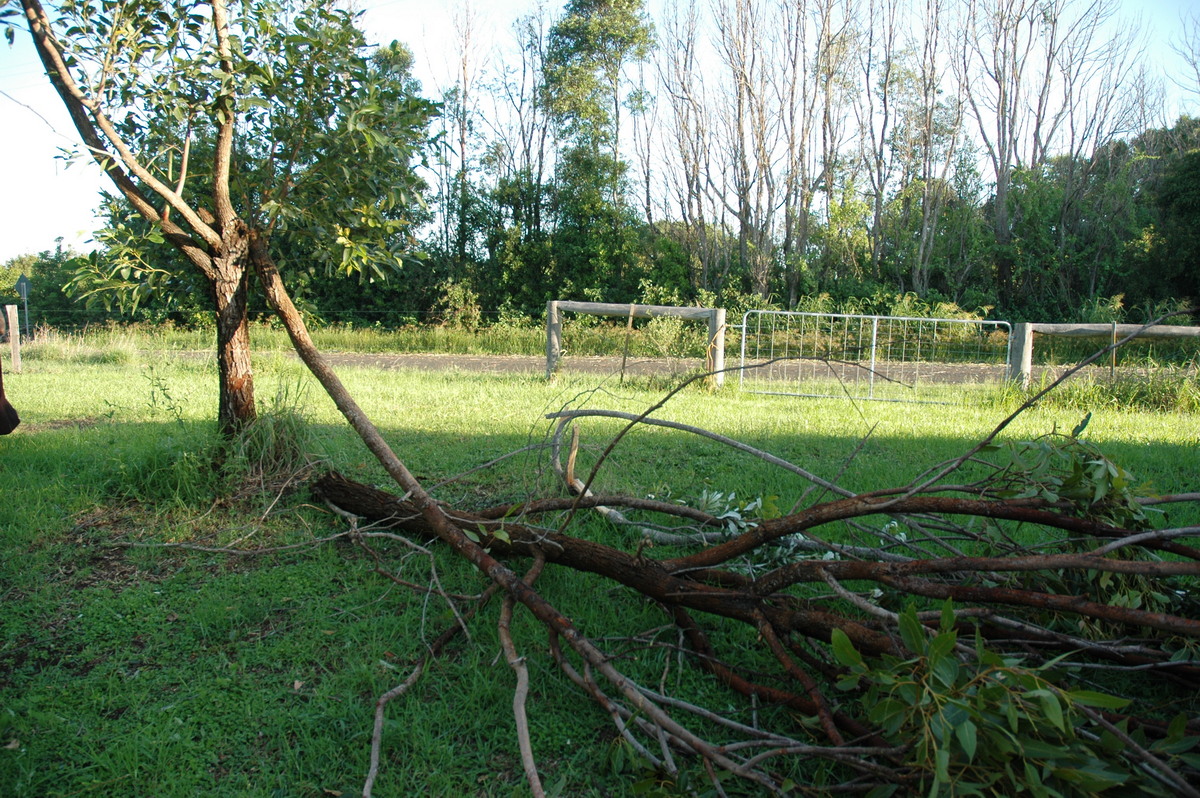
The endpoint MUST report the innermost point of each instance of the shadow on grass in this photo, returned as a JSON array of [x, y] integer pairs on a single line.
[[134, 672]]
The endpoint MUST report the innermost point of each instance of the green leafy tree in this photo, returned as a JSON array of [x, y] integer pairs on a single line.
[[226, 132], [587, 53], [48, 271], [1179, 202], [518, 244]]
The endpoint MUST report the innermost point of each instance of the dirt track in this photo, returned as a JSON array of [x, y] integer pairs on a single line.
[[929, 373], [511, 364]]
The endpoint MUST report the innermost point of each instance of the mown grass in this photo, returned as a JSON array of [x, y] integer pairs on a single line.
[[168, 672]]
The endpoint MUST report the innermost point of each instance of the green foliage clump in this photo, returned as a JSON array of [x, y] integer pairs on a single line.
[[1064, 468], [458, 306], [972, 722]]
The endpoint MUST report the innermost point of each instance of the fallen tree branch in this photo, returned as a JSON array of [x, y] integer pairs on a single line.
[[521, 693], [708, 582]]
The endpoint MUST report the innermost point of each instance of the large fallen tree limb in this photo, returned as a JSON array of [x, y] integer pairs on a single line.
[[694, 584], [844, 659], [691, 582]]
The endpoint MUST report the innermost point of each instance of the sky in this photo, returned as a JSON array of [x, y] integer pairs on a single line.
[[44, 197]]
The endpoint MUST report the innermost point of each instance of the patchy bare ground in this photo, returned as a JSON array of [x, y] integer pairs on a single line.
[[515, 364]]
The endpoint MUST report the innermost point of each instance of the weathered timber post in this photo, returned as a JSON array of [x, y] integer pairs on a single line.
[[714, 358], [1020, 354], [14, 336], [553, 337]]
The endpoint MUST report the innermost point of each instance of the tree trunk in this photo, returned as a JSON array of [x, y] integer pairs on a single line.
[[236, 405]]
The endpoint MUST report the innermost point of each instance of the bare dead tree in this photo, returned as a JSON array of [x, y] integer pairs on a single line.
[[1188, 48], [875, 113], [749, 131], [798, 99], [1041, 79], [688, 148]]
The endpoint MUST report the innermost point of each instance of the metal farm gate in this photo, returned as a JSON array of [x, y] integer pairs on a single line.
[[885, 358]]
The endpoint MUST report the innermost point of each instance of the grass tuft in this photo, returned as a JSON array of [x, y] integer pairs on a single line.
[[274, 450]]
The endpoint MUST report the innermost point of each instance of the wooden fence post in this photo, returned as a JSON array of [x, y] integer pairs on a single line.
[[715, 350], [14, 336], [553, 337], [1020, 354]]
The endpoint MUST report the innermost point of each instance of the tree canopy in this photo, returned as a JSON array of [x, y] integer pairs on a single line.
[[744, 153], [226, 131]]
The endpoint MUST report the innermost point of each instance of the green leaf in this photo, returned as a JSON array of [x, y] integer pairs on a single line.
[[1050, 706], [1091, 698], [946, 670], [1093, 777], [1178, 726], [912, 632], [942, 765], [968, 738], [844, 651], [947, 619]]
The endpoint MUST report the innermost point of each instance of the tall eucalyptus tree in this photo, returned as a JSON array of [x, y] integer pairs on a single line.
[[586, 86]]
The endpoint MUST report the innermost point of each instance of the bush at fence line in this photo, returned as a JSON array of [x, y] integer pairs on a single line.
[[1103, 310], [1149, 311], [651, 293], [458, 306], [736, 303]]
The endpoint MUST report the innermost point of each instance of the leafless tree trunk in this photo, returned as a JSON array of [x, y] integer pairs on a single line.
[[522, 130], [878, 55], [466, 22], [1042, 79], [938, 120], [750, 132], [798, 100], [1187, 45], [689, 151], [836, 22]]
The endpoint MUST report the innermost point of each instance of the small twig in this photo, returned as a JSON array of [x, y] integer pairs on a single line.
[[377, 732], [1154, 766], [1142, 537], [434, 650], [858, 601], [521, 692], [600, 697], [533, 447], [806, 680], [633, 418], [432, 572]]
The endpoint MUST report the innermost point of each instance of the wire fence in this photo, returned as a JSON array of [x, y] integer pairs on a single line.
[[885, 358]]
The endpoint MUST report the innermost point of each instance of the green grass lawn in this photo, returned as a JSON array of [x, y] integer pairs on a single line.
[[168, 672]]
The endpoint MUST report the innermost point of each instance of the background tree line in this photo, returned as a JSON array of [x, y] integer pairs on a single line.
[[1005, 155]]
